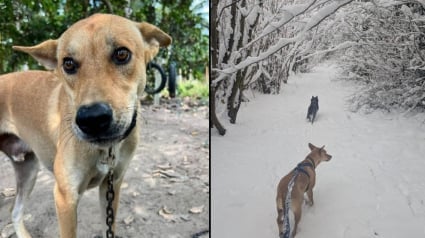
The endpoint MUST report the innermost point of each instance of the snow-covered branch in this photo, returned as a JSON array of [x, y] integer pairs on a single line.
[[290, 13], [318, 17]]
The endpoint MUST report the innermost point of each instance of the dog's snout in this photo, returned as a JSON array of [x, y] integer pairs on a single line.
[[94, 119]]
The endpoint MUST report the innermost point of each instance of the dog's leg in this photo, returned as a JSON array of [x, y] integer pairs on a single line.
[[66, 196], [297, 216], [279, 221], [66, 209], [26, 175], [310, 197], [297, 220]]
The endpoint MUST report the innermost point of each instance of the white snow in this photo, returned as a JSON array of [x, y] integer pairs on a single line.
[[374, 186]]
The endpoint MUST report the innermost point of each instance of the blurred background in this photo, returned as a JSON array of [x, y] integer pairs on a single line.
[[29, 22]]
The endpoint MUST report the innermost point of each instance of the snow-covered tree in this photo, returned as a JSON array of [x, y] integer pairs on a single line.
[[384, 50], [256, 43]]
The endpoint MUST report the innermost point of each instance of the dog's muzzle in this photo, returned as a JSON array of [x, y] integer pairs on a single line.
[[96, 124]]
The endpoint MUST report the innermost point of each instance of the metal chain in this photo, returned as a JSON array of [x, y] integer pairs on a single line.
[[110, 194], [109, 210]]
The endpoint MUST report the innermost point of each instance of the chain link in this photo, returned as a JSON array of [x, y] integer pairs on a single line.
[[110, 194]]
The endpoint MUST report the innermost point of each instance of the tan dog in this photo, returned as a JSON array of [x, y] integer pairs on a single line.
[[300, 180], [80, 119]]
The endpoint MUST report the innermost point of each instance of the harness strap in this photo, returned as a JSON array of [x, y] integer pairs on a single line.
[[300, 168], [312, 162]]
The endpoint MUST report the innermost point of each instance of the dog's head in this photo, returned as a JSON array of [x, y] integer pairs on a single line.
[[314, 100], [101, 61], [318, 154]]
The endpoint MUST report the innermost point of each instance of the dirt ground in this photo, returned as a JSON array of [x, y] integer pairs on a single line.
[[165, 191]]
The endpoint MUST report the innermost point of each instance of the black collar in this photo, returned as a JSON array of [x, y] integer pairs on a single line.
[[132, 125]]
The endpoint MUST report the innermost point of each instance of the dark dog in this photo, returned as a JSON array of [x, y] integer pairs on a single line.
[[313, 108]]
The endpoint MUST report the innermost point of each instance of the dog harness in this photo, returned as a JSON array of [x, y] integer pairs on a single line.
[[297, 170], [300, 166]]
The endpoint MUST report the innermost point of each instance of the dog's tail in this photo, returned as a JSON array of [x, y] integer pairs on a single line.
[[288, 215]]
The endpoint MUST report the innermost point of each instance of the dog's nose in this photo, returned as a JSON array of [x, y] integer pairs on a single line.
[[94, 119]]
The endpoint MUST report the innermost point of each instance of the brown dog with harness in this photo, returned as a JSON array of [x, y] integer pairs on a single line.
[[291, 189]]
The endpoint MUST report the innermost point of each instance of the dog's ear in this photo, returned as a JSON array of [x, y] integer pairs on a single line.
[[44, 53], [311, 146], [154, 37]]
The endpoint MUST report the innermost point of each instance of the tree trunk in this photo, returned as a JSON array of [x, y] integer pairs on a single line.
[[214, 122], [235, 98], [213, 116], [234, 102]]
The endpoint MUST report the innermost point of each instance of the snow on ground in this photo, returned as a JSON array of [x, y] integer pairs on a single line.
[[374, 186]]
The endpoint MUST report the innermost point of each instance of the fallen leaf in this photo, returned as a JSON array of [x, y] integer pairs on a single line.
[[185, 217], [196, 210], [167, 214], [164, 166], [169, 173], [177, 180], [9, 192], [7, 231], [166, 210], [128, 220]]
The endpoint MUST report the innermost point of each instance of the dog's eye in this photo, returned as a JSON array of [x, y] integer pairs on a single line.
[[69, 65], [121, 56]]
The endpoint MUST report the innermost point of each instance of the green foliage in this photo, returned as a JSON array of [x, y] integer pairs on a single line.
[[193, 88], [29, 22]]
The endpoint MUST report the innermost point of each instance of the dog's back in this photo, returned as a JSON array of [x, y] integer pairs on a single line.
[[313, 108]]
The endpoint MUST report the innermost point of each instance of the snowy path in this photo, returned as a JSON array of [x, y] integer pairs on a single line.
[[374, 186]]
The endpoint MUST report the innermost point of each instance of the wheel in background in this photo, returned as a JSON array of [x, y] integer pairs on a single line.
[[151, 68], [172, 81]]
